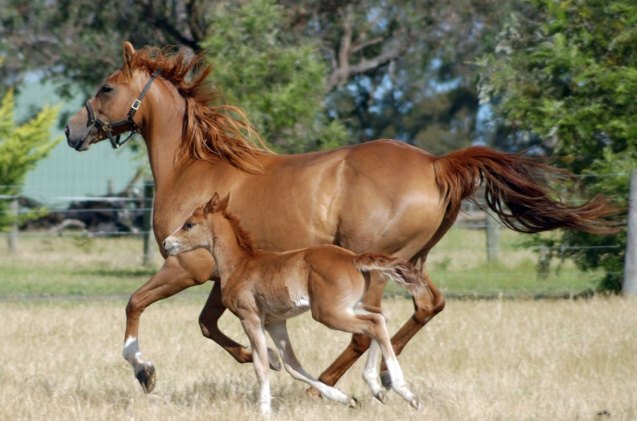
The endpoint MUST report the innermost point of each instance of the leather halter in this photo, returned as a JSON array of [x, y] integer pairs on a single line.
[[127, 124]]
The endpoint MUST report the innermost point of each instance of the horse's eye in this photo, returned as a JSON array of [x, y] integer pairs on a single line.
[[106, 89], [188, 225]]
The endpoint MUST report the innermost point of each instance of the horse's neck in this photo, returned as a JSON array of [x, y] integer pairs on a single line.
[[226, 250], [162, 133]]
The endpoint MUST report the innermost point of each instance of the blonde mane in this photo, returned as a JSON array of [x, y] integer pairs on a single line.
[[211, 131]]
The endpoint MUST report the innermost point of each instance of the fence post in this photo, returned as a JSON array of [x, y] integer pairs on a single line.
[[147, 221], [493, 238], [14, 209], [629, 285]]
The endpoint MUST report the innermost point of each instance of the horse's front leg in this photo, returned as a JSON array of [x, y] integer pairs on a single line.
[[177, 273], [208, 322]]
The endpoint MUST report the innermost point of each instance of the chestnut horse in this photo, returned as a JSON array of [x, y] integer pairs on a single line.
[[382, 196], [264, 289]]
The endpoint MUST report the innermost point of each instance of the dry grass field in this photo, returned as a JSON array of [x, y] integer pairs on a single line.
[[483, 360]]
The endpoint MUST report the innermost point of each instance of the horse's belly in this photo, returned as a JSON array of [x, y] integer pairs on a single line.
[[287, 310]]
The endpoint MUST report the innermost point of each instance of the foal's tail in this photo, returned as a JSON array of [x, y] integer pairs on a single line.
[[517, 190], [401, 271]]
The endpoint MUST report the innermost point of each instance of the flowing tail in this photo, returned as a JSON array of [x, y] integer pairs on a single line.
[[517, 190], [401, 271]]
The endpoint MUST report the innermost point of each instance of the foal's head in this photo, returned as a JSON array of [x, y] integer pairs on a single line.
[[196, 231]]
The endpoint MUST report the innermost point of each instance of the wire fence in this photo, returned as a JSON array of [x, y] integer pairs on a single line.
[[477, 247]]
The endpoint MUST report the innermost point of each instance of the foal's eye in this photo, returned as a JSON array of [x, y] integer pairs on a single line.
[[188, 225], [106, 89]]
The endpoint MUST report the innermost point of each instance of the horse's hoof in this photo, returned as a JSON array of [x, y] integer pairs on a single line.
[[385, 379], [382, 397], [353, 403], [273, 357], [146, 377], [415, 403], [313, 393]]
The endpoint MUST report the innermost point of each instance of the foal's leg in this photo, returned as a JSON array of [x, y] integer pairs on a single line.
[[177, 273], [208, 322], [382, 341], [427, 304], [252, 325], [279, 334], [360, 342], [373, 325], [371, 373]]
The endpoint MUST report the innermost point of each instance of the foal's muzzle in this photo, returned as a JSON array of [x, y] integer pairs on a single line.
[[171, 245]]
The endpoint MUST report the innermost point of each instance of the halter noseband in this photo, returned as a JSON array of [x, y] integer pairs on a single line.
[[127, 124]]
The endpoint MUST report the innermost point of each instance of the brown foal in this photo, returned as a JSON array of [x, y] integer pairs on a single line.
[[264, 289]]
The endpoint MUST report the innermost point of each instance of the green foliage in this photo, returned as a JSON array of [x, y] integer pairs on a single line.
[[21, 147], [567, 71], [280, 82]]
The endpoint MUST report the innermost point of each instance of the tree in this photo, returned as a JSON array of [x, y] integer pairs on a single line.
[[393, 68], [279, 80], [403, 69], [567, 72], [21, 147], [79, 41]]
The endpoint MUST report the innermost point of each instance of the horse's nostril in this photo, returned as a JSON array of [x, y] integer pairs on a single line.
[[67, 131]]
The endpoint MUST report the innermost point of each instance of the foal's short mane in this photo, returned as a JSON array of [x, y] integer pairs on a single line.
[[244, 238], [210, 131]]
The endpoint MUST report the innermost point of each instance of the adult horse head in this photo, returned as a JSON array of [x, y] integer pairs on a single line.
[[99, 118], [382, 196]]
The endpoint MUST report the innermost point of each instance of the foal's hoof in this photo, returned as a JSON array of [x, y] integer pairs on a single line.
[[353, 403], [273, 357], [415, 403], [381, 396], [146, 377], [313, 393], [385, 379]]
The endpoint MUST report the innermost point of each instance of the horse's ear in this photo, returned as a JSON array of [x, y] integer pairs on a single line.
[[212, 205], [129, 52]]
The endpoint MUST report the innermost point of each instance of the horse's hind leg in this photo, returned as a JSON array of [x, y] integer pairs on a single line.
[[279, 334], [208, 322], [371, 374], [169, 280], [360, 342], [373, 325], [427, 304]]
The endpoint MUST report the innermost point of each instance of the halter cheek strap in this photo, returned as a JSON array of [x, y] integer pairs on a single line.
[[127, 124]]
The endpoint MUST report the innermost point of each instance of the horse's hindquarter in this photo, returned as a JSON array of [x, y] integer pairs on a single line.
[[390, 203]]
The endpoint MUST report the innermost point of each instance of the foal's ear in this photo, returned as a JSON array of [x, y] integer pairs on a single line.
[[129, 52], [223, 203], [212, 204], [216, 204]]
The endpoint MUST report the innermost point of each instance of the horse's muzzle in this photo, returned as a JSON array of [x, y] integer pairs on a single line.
[[78, 141]]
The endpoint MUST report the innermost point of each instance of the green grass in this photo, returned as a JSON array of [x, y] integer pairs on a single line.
[[74, 266], [83, 266], [458, 265]]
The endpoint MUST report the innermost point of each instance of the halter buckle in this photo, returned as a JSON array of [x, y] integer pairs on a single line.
[[136, 104]]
